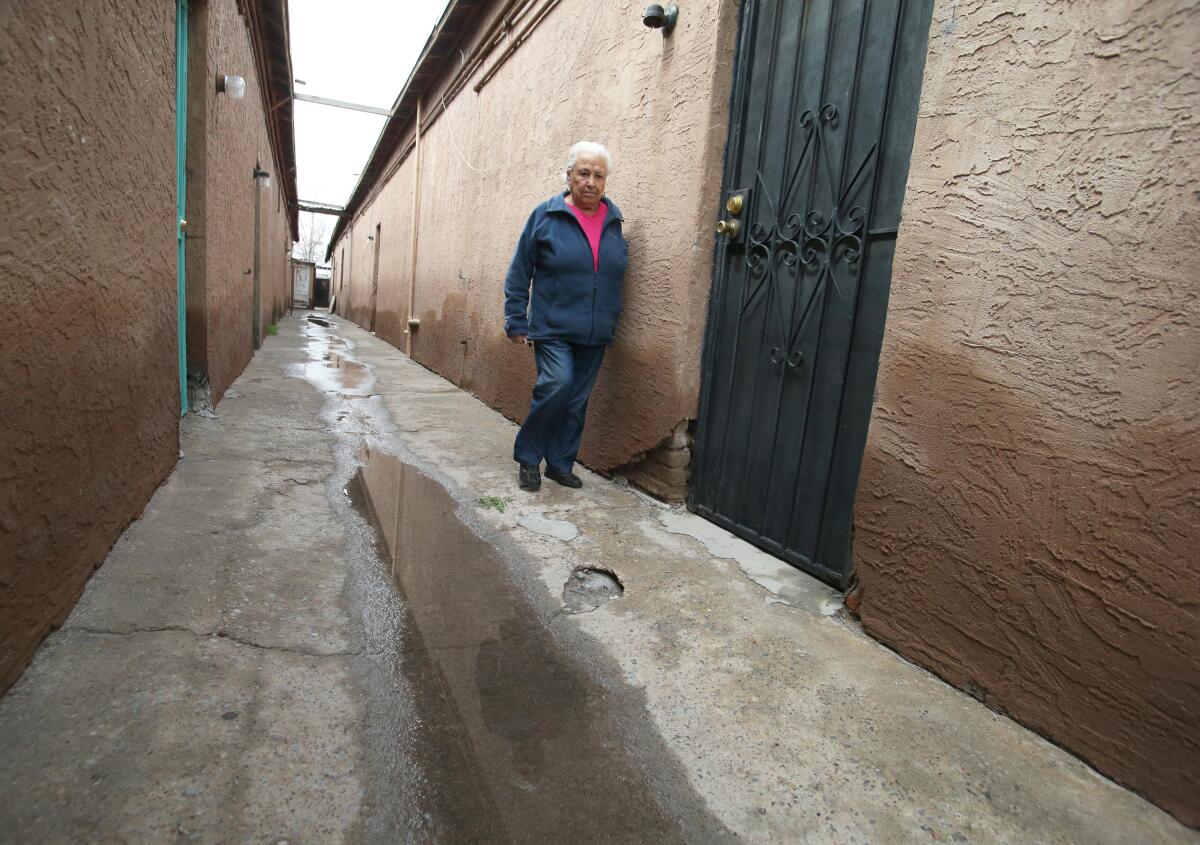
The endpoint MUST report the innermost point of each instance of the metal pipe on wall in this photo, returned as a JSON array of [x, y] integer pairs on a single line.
[[256, 316], [416, 209], [181, 83]]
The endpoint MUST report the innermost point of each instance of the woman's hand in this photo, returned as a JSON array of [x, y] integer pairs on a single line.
[[520, 339]]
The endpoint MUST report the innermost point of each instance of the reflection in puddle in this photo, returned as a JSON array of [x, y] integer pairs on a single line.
[[521, 748], [331, 365]]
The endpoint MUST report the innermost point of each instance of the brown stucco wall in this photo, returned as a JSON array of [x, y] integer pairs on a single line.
[[221, 198], [660, 106], [276, 269], [1028, 515], [87, 269], [88, 348]]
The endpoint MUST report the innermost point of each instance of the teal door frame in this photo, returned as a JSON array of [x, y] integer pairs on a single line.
[[181, 61]]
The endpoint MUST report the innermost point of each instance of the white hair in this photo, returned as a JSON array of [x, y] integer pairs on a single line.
[[587, 148]]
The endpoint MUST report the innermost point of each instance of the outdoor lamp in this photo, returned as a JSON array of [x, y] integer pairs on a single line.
[[263, 175], [234, 86], [661, 17]]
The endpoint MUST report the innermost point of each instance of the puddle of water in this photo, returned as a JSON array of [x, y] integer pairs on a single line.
[[331, 366], [349, 374], [522, 751]]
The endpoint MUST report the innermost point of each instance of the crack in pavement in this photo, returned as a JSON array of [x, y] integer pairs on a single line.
[[219, 635]]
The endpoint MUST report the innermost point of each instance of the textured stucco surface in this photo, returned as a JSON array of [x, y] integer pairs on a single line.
[[1029, 507], [87, 269], [588, 71], [221, 199], [90, 403]]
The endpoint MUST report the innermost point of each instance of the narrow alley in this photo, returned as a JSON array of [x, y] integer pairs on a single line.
[[338, 621], [550, 421]]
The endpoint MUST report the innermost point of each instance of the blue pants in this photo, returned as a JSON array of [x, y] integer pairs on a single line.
[[553, 428]]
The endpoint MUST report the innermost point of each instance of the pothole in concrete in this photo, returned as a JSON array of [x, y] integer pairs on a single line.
[[590, 587]]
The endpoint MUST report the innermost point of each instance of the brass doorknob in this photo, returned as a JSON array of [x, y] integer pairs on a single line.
[[728, 228]]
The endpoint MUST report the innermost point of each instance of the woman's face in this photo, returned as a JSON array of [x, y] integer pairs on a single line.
[[586, 180]]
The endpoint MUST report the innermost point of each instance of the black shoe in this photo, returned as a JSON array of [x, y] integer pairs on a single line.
[[569, 479], [530, 477]]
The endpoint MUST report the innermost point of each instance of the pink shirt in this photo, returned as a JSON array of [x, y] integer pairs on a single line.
[[593, 226]]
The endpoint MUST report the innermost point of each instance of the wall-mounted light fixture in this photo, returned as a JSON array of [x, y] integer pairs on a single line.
[[661, 17], [234, 86], [262, 175]]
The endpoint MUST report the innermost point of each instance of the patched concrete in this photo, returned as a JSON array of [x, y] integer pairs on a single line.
[[786, 584], [560, 529]]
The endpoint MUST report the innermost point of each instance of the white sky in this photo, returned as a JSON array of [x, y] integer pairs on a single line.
[[360, 51]]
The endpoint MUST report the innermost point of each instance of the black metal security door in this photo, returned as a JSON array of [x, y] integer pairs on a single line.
[[823, 113]]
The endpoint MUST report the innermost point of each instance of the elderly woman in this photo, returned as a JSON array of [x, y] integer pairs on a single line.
[[562, 296]]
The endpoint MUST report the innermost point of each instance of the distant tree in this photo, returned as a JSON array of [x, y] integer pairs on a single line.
[[313, 232]]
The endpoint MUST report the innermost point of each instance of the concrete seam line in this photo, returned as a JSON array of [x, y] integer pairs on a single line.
[[216, 636]]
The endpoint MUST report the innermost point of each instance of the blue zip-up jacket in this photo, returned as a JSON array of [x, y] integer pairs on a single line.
[[570, 299]]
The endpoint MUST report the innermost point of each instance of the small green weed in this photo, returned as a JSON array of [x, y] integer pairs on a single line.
[[272, 329], [500, 503]]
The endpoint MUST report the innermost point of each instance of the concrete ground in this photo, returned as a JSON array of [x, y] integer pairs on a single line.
[[339, 620]]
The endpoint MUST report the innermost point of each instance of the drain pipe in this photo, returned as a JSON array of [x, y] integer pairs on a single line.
[[413, 322], [256, 318]]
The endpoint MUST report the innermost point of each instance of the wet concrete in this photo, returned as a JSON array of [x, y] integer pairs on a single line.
[[319, 632], [331, 366], [515, 735], [527, 748], [740, 673]]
